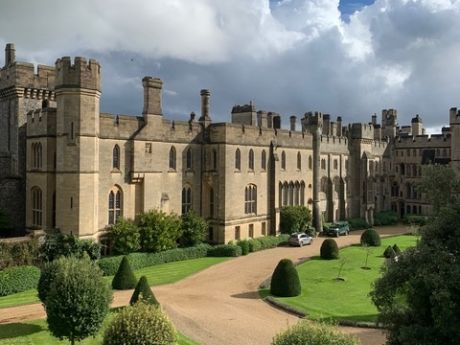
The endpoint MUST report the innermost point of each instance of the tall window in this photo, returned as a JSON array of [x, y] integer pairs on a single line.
[[188, 159], [115, 205], [186, 199], [251, 231], [251, 159], [238, 159], [172, 158], [263, 161], [310, 163], [37, 155], [237, 232], [250, 199], [37, 206], [302, 193], [323, 164], [214, 159], [283, 160], [336, 164], [299, 161], [211, 202], [116, 157]]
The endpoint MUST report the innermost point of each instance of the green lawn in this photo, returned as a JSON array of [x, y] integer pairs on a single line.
[[325, 297], [156, 275], [36, 333]]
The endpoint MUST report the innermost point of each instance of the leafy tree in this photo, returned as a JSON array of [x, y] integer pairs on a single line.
[[159, 231], [125, 237], [57, 245], [285, 280], [124, 279], [417, 297], [140, 324], [440, 185], [78, 300], [194, 229], [295, 219], [143, 293]]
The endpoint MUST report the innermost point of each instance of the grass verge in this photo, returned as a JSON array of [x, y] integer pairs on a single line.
[[324, 297]]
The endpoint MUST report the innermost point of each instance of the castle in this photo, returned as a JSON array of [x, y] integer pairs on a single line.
[[65, 165]]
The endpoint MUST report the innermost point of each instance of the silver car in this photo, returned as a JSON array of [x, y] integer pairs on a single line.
[[300, 239]]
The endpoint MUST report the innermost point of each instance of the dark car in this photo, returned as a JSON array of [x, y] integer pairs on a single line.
[[337, 229], [300, 239]]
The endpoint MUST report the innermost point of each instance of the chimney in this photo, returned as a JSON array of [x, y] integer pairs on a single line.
[[293, 122], [374, 119], [339, 126], [205, 94], [10, 54], [152, 96]]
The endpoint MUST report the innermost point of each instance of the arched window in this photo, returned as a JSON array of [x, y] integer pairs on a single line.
[[251, 159], [115, 205], [214, 159], [238, 159], [186, 199], [310, 163], [211, 202], [188, 158], [285, 194], [36, 155], [172, 158], [291, 194], [336, 164], [250, 199], [37, 206], [263, 161], [297, 193], [283, 160], [299, 161], [116, 157], [280, 194], [302, 193]]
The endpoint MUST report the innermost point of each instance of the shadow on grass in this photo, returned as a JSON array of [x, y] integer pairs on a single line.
[[371, 318], [14, 330], [248, 295]]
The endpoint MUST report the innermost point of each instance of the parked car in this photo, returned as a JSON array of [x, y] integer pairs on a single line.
[[337, 229], [300, 239]]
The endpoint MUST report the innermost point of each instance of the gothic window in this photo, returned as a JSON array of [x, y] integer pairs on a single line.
[[186, 199], [283, 160], [336, 164], [37, 206], [299, 161], [263, 161], [310, 163], [297, 193], [238, 159], [37, 155], [214, 159], [188, 159], [115, 205], [250, 199], [285, 194], [302, 193], [251, 159], [211, 202], [172, 158], [116, 157], [291, 194]]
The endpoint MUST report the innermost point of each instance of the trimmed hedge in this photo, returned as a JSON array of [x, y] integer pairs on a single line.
[[371, 238], [225, 250], [109, 265], [244, 244], [285, 280], [124, 279], [143, 293], [396, 249], [329, 249], [389, 253], [415, 220], [386, 218], [358, 224], [254, 245], [18, 279]]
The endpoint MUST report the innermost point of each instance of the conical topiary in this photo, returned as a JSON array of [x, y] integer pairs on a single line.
[[124, 278], [329, 249], [143, 293], [389, 253], [285, 280], [396, 249]]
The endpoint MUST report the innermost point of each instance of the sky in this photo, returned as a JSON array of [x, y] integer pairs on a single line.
[[349, 58]]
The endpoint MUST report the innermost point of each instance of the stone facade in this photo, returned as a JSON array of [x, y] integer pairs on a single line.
[[66, 165]]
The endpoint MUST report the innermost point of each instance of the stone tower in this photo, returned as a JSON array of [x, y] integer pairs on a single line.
[[417, 125], [78, 92], [21, 90]]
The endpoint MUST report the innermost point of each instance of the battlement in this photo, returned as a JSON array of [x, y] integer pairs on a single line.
[[243, 108], [41, 122], [420, 140], [79, 74], [361, 131], [22, 74]]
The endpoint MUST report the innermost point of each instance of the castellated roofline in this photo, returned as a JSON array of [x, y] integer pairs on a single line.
[[81, 73]]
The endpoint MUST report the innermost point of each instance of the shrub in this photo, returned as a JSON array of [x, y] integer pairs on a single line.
[[396, 249], [159, 231], [143, 293], [307, 333], [415, 220], [140, 324], [124, 279], [254, 245], [223, 250], [285, 280], [389, 253], [78, 300], [57, 245], [329, 249], [371, 238], [386, 218], [294, 219], [19, 254], [109, 265], [18, 279], [244, 244], [357, 224], [47, 275], [194, 229], [125, 237]]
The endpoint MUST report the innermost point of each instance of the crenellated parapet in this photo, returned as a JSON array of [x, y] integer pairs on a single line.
[[81, 73]]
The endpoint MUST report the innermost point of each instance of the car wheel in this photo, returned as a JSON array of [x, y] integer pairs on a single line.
[[300, 244]]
